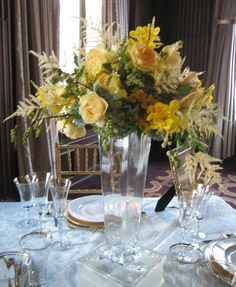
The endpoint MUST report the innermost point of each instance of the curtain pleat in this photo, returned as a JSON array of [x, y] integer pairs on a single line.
[[192, 27], [8, 163], [25, 25], [221, 71]]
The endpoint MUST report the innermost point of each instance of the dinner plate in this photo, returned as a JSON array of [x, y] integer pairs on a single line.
[[86, 210], [223, 258]]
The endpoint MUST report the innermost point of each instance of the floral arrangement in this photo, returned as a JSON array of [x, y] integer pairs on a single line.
[[118, 88]]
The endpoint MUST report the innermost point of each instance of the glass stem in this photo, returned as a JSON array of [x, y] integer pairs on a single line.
[[40, 219], [60, 224], [27, 214]]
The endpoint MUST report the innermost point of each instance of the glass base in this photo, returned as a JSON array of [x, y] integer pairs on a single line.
[[144, 269], [61, 246], [185, 253], [28, 223]]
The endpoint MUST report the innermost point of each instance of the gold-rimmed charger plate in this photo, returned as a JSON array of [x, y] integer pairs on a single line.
[[86, 211], [77, 222], [223, 258]]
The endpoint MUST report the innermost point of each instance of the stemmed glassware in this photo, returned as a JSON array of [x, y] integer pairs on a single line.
[[40, 184], [59, 189], [189, 198], [27, 200]]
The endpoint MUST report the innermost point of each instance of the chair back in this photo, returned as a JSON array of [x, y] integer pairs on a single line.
[[80, 163]]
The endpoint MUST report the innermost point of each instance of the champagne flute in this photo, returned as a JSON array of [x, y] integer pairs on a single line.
[[40, 184], [27, 200], [59, 189]]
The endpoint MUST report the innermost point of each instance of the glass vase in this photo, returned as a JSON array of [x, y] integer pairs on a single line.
[[124, 166], [121, 261]]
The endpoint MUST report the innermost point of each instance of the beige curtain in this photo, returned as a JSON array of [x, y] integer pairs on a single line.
[[116, 11], [222, 72], [36, 29], [31, 25]]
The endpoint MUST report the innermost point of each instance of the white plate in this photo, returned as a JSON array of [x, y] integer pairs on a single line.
[[87, 209], [223, 258], [225, 250]]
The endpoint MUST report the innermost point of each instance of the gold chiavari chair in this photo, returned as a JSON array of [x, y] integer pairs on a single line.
[[80, 163]]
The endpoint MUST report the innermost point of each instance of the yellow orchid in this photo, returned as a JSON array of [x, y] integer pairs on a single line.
[[147, 34], [165, 117]]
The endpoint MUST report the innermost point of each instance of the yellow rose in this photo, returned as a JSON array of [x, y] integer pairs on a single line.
[[70, 130], [171, 55], [93, 108], [143, 56], [95, 60]]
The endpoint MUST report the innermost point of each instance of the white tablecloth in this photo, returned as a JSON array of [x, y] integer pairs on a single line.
[[158, 231]]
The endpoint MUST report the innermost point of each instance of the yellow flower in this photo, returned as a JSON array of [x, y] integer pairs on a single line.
[[165, 117], [147, 34], [209, 93], [112, 84], [199, 99], [42, 96], [96, 59], [143, 56], [70, 130], [93, 108], [51, 98], [171, 56]]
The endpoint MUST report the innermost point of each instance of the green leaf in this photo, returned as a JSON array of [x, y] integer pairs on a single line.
[[184, 90]]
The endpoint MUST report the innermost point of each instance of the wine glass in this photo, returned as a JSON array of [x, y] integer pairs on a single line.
[[59, 189], [27, 200], [40, 184], [189, 201], [189, 198]]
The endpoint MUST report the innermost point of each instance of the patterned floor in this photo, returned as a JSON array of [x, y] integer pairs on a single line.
[[161, 183]]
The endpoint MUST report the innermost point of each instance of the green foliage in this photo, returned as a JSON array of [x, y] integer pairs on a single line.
[[184, 90], [13, 133], [26, 134], [138, 79]]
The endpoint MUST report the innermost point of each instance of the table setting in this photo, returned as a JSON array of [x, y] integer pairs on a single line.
[[130, 92], [159, 231]]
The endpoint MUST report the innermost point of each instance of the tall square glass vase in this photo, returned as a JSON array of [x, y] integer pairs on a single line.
[[124, 166], [120, 261]]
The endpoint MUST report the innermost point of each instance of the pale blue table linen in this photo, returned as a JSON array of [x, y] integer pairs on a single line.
[[158, 232]]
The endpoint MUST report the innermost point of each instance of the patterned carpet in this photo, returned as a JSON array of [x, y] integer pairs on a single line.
[[161, 183]]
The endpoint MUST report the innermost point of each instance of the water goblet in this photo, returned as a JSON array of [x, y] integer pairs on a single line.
[[40, 183], [201, 213], [37, 246], [27, 200], [59, 189], [15, 269]]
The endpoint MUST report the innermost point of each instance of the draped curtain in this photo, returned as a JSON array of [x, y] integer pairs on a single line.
[[30, 25], [222, 71], [8, 167], [116, 11]]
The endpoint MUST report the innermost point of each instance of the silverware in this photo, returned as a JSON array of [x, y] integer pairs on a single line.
[[219, 236]]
